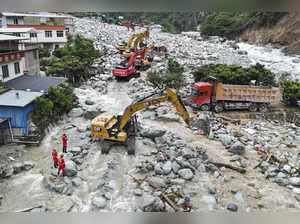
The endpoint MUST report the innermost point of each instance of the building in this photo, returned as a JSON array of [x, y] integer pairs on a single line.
[[16, 106], [54, 27], [12, 62], [29, 45]]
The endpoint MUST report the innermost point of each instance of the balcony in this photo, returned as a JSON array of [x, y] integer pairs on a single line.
[[11, 56]]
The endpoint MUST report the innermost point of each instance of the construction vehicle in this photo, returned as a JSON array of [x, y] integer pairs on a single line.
[[138, 36], [130, 68], [213, 95], [112, 129]]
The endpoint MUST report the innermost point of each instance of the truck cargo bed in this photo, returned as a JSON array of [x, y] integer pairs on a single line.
[[258, 94]]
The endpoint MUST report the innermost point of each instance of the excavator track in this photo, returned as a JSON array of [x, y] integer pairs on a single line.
[[105, 146]]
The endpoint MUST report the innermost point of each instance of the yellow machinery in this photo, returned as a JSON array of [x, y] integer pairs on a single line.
[[123, 128], [138, 37]]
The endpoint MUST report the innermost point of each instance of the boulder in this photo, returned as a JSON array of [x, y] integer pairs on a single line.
[[71, 168], [152, 132], [28, 165], [156, 182], [98, 184], [225, 139], [237, 148], [167, 167], [232, 207], [186, 174], [89, 102], [75, 150], [18, 167], [152, 204], [138, 192], [75, 112], [158, 169], [175, 167], [76, 181], [48, 182], [99, 202], [295, 181], [210, 201]]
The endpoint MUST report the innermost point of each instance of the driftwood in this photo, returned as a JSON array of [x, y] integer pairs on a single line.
[[234, 121], [170, 202], [238, 169], [29, 209], [138, 181]]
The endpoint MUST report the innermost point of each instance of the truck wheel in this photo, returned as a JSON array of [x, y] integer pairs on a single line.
[[263, 108], [205, 107], [131, 145], [253, 107], [219, 108]]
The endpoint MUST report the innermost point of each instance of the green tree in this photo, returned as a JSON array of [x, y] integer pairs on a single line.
[[162, 81], [73, 60], [61, 99], [44, 53], [291, 93], [233, 74], [43, 110]]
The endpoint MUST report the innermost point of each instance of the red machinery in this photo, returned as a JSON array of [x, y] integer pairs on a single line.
[[215, 95], [131, 66]]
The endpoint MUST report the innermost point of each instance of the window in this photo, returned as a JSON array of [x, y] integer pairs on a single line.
[[43, 20], [33, 35], [60, 33], [5, 71], [48, 33], [17, 68], [17, 34], [15, 20]]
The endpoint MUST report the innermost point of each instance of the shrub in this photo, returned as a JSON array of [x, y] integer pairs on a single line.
[[174, 66], [168, 80], [233, 74], [61, 99], [291, 93]]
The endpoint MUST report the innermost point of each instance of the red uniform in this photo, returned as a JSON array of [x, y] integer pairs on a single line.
[[65, 141], [61, 165], [54, 157]]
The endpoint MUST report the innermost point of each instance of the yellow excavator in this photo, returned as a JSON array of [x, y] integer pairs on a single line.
[[122, 128], [138, 37]]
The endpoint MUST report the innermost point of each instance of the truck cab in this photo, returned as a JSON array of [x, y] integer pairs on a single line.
[[201, 95]]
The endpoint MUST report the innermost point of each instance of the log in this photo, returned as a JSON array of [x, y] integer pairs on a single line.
[[238, 169], [29, 209], [170, 202], [234, 121]]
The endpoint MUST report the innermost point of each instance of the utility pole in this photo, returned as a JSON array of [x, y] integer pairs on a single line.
[[73, 67]]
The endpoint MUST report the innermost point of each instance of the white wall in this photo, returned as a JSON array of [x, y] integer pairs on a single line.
[[41, 38], [11, 69]]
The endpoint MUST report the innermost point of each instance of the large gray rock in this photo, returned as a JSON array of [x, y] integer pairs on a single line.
[[210, 201], [186, 174], [99, 202], [75, 150], [226, 139], [295, 181], [71, 168], [237, 148], [152, 204], [175, 167], [158, 169], [75, 112], [152, 132], [76, 181], [89, 102], [156, 182], [48, 182], [91, 113], [98, 184], [167, 168]]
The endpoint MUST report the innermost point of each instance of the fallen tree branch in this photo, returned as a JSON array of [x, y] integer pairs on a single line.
[[238, 169], [234, 121], [29, 209], [170, 202]]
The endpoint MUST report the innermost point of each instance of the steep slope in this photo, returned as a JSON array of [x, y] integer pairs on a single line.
[[286, 32]]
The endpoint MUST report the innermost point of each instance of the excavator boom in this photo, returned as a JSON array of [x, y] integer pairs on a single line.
[[140, 105]]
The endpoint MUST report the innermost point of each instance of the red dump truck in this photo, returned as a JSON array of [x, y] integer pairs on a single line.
[[213, 95]]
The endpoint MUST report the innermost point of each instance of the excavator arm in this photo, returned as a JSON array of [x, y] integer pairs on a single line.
[[140, 105], [140, 39], [127, 46]]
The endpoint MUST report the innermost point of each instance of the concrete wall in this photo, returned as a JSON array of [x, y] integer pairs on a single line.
[[32, 62], [11, 69]]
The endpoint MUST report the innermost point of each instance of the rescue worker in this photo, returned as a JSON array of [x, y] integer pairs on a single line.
[[61, 165], [54, 157], [65, 141]]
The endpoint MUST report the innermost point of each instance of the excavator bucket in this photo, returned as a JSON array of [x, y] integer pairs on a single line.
[[177, 103]]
